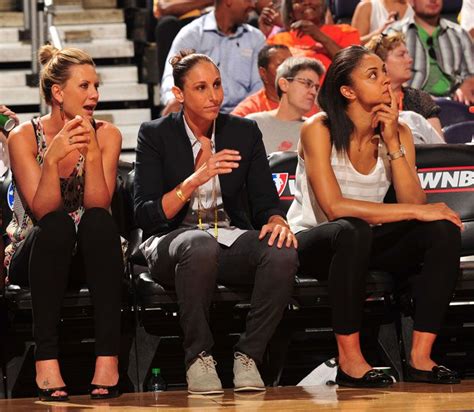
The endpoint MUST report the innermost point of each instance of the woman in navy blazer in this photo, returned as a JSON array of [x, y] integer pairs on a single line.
[[198, 174]]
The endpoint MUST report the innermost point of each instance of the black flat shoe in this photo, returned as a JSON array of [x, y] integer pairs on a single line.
[[439, 374], [372, 379], [46, 395], [112, 392]]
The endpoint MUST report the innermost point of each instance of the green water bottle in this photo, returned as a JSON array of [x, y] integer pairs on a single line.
[[156, 382]]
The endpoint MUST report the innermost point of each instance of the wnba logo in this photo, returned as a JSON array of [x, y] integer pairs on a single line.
[[447, 179]]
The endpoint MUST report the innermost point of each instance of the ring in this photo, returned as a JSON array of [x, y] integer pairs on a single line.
[[69, 139], [217, 165]]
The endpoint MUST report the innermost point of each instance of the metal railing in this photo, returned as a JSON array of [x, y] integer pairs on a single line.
[[38, 18]]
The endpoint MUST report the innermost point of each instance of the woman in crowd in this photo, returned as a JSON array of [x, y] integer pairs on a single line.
[[190, 174], [309, 35], [64, 169], [348, 158], [372, 17], [391, 48]]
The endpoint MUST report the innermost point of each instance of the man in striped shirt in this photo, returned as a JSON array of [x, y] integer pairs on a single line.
[[442, 51]]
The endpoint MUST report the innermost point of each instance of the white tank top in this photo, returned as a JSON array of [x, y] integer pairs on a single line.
[[379, 14], [305, 212]]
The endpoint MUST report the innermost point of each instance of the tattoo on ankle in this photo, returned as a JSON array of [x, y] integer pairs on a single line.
[[46, 383]]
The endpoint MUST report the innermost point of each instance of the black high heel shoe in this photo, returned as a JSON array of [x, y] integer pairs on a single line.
[[46, 395], [112, 391]]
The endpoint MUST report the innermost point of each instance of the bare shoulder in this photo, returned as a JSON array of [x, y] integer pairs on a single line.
[[22, 136], [315, 125], [107, 132], [364, 7]]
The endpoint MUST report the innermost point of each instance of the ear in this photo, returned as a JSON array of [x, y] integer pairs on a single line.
[[263, 74], [178, 94], [283, 84], [347, 92], [57, 93]]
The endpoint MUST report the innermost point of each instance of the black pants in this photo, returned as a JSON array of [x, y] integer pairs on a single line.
[[167, 27], [193, 262], [344, 250], [45, 263]]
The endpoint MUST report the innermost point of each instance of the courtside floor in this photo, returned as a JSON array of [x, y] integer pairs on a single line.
[[401, 397]]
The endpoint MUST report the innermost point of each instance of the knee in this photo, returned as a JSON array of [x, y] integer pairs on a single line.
[[354, 234], [57, 226], [284, 262], [96, 216], [444, 234], [199, 249]]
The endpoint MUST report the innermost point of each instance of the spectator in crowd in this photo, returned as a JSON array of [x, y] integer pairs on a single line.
[[64, 167], [224, 36], [467, 17], [269, 17], [269, 58], [172, 16], [349, 155], [393, 51], [191, 169], [372, 17], [443, 52], [307, 34], [4, 165], [297, 82]]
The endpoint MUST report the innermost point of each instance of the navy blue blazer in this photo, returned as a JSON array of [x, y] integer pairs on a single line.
[[165, 158]]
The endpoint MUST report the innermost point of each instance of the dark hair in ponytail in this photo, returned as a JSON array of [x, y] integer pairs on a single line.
[[184, 61], [332, 101]]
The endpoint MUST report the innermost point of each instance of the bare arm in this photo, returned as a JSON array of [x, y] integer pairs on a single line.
[[309, 28], [101, 166], [361, 21], [178, 7], [317, 153], [436, 123], [39, 185]]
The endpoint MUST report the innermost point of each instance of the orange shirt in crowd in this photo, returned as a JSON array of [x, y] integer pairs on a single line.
[[258, 102], [305, 46]]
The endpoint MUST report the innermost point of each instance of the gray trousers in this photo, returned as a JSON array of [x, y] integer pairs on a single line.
[[193, 262]]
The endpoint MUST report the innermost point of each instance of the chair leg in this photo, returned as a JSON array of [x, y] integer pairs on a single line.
[[275, 357], [14, 367], [388, 341], [145, 350]]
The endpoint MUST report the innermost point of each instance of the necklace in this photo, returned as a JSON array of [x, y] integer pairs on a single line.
[[201, 207]]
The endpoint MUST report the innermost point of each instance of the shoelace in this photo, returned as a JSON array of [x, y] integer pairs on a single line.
[[207, 362], [247, 362]]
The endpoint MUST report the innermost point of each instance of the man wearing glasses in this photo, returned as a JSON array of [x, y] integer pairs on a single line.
[[297, 83], [443, 52]]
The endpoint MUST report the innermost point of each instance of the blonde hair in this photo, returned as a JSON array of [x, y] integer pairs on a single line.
[[382, 44], [56, 64]]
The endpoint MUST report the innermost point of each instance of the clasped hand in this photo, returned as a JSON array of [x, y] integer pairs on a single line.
[[77, 134]]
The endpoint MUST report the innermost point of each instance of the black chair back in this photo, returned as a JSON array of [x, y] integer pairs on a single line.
[[446, 174], [459, 133], [453, 112], [342, 10], [283, 168]]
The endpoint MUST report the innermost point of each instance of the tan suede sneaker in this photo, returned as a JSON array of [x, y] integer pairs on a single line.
[[202, 377], [246, 375]]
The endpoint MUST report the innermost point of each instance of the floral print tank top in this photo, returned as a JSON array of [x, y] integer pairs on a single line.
[[72, 192]]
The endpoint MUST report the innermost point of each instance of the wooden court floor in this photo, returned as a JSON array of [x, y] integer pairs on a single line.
[[401, 397]]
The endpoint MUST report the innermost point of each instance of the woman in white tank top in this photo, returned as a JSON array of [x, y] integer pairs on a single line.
[[372, 17], [348, 157]]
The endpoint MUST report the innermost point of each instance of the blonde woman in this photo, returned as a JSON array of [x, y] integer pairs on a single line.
[[64, 170]]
